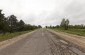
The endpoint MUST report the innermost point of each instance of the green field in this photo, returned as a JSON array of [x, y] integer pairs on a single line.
[[80, 32], [11, 35]]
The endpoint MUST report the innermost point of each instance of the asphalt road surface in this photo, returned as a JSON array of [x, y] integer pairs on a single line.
[[41, 42]]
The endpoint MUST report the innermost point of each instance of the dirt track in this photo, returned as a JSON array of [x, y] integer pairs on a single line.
[[41, 42]]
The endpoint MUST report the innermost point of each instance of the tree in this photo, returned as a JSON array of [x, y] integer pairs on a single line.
[[39, 26], [5, 25], [21, 25], [2, 22], [13, 23], [62, 23], [65, 24], [46, 26]]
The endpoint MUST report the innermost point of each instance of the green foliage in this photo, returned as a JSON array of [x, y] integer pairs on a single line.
[[21, 25], [65, 24], [80, 32], [2, 24], [39, 26], [10, 35], [74, 29], [62, 23], [11, 24]]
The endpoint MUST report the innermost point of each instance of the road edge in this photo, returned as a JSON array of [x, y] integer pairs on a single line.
[[78, 44], [8, 42]]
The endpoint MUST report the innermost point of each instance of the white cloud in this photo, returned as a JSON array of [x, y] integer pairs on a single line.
[[76, 12], [45, 12]]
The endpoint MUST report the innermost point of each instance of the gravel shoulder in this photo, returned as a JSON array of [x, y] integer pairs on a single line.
[[79, 41]]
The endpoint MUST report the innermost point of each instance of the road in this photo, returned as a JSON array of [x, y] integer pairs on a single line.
[[41, 42]]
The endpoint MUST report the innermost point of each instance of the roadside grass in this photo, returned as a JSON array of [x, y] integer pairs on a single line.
[[80, 32], [11, 35]]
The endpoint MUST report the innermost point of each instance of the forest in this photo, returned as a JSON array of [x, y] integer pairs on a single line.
[[12, 24]]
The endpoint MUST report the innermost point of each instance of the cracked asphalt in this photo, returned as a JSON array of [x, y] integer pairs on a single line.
[[40, 42]]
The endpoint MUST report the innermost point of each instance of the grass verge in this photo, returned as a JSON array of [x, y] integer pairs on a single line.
[[11, 35], [80, 32]]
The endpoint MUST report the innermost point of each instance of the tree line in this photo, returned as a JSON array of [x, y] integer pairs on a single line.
[[11, 24], [65, 25]]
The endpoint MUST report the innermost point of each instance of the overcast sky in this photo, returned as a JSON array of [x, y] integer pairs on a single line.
[[45, 12]]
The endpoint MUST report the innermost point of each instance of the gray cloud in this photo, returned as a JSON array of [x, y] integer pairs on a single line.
[[76, 12], [45, 12]]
